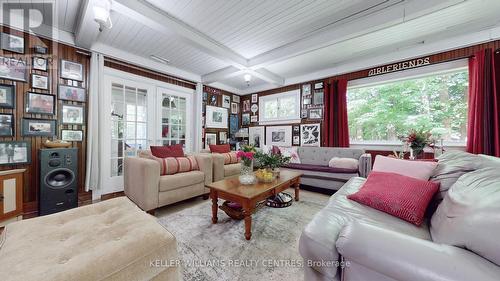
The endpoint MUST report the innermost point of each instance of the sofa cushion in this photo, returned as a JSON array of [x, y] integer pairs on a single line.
[[322, 155], [344, 163], [179, 180], [469, 216], [320, 168], [232, 169], [401, 196], [220, 148], [317, 242], [422, 170], [167, 151], [87, 243]]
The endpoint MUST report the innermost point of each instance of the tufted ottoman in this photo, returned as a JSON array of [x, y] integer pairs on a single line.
[[110, 240]]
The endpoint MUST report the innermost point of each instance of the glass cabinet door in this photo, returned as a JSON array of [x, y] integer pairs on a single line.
[[173, 119]]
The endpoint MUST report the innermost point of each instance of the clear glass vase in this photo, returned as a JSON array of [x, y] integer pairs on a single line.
[[247, 176]]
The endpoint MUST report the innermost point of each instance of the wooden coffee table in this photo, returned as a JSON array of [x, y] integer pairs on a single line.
[[249, 195]]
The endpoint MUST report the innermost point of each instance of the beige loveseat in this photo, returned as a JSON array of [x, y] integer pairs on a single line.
[[110, 240], [144, 185], [221, 171]]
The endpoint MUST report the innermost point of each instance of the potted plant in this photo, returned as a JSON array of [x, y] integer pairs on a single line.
[[269, 164], [417, 140]]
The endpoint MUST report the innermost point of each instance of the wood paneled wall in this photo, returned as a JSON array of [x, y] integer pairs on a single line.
[[56, 52]]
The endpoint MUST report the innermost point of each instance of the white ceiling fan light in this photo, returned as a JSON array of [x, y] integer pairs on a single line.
[[102, 10], [247, 78]]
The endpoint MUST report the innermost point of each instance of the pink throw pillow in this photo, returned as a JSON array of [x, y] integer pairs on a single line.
[[174, 165], [230, 158], [401, 196], [422, 170]]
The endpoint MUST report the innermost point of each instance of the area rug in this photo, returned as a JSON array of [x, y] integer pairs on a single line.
[[220, 252]]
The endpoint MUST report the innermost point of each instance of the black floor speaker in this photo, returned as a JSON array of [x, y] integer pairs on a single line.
[[58, 180]]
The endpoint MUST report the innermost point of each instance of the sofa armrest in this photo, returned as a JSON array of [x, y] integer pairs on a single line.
[[406, 258], [218, 160], [141, 179], [365, 165], [205, 163]]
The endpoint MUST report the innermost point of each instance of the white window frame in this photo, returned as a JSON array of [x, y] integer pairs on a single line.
[[436, 69], [277, 97]]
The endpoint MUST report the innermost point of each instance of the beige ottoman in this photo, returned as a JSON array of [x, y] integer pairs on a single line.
[[110, 240]]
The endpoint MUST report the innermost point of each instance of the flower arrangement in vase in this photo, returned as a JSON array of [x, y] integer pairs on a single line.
[[269, 164], [246, 154], [417, 140]]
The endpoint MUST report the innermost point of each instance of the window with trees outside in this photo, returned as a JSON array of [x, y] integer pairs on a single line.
[[280, 107], [435, 103]]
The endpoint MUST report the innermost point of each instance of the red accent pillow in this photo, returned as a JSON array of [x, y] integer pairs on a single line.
[[404, 197], [167, 151], [221, 148]]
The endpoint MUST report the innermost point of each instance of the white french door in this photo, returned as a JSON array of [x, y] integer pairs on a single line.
[[128, 126]]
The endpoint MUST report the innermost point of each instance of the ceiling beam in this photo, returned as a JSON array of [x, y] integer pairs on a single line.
[[221, 74], [268, 76], [87, 30]]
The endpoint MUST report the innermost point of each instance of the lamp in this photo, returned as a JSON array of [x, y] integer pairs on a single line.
[[247, 78], [102, 9]]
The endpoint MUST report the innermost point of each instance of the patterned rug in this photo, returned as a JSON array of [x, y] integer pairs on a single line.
[[220, 252]]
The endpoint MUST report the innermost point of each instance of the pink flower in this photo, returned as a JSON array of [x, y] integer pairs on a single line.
[[244, 155]]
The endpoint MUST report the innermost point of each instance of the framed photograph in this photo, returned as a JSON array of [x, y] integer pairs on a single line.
[[254, 108], [71, 135], [306, 101], [15, 152], [318, 98], [39, 63], [226, 101], [39, 82], [71, 70], [7, 96], [72, 114], [12, 43], [310, 135], [13, 69], [245, 119], [316, 113], [234, 108], [256, 136], [303, 113], [246, 105], [255, 98], [222, 137], [296, 140], [236, 98], [6, 125], [40, 50], [205, 95], [234, 124], [40, 103], [279, 135], [254, 118], [216, 117], [38, 127], [210, 138], [213, 100], [306, 89], [296, 129], [71, 93], [318, 85], [75, 84]]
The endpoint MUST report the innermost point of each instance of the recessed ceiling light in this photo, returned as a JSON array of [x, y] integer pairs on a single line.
[[160, 59]]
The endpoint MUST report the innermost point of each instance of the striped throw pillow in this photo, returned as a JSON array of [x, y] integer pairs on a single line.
[[174, 165], [230, 158]]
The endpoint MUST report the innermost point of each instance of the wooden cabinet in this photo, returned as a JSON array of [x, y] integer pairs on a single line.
[[11, 194]]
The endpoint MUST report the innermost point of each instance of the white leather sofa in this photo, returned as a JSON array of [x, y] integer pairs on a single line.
[[353, 242]]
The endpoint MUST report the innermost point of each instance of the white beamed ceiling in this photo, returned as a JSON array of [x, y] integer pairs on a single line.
[[278, 41]]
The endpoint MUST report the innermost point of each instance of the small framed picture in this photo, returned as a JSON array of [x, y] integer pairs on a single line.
[[246, 105], [210, 138], [39, 82], [6, 125], [303, 113], [255, 98], [213, 100], [40, 103], [39, 63], [318, 98], [306, 89], [69, 82], [38, 127], [226, 101], [254, 108], [236, 98], [306, 101], [71, 93], [71, 70], [318, 85], [296, 140], [205, 95], [16, 152], [75, 83], [316, 113], [12, 43], [13, 69], [40, 50], [254, 118], [7, 96], [71, 135], [72, 114], [222, 137], [245, 119], [234, 108], [296, 129]]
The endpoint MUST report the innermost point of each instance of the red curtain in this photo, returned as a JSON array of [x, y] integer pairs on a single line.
[[483, 134], [335, 125]]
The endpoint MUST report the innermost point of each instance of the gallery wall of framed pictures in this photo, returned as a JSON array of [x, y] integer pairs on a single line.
[[43, 96]]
